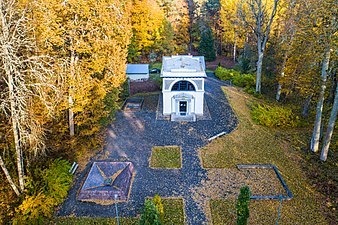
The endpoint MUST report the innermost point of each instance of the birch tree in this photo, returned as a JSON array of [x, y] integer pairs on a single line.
[[330, 127], [287, 36], [260, 20], [27, 80], [319, 109], [327, 28]]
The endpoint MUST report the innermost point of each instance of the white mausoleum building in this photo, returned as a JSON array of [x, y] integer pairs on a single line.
[[183, 86]]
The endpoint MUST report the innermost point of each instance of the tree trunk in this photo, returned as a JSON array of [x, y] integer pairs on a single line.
[[9, 178], [306, 107], [70, 94], [316, 130], [327, 107], [330, 128], [71, 116], [8, 68], [279, 88], [15, 128], [259, 70], [235, 46]]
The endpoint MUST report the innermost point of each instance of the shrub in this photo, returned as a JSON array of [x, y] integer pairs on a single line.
[[238, 79], [48, 193], [150, 215], [57, 180], [34, 209], [158, 203], [244, 80], [225, 74], [242, 206], [274, 116]]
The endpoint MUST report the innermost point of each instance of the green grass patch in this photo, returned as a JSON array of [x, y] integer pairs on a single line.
[[261, 212], [223, 212], [94, 221], [144, 94], [166, 157], [173, 211], [255, 144], [155, 65]]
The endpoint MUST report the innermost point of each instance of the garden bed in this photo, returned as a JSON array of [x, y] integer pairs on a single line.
[[166, 157], [133, 104]]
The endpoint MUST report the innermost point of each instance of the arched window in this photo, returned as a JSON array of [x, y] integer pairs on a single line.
[[183, 85]]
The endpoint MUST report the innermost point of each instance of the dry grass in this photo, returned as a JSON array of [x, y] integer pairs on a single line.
[[254, 144], [166, 157]]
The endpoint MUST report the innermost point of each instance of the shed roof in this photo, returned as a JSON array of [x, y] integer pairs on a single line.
[[183, 66], [137, 68]]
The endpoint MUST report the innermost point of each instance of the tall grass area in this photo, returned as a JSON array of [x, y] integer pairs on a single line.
[[285, 148]]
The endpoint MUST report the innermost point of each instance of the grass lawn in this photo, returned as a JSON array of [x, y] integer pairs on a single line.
[[166, 157], [155, 65], [254, 144], [173, 211], [261, 212]]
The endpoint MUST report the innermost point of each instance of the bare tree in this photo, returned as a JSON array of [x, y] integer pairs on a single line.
[[28, 78], [261, 26]]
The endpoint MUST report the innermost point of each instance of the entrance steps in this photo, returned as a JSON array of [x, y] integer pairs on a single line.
[[186, 118]]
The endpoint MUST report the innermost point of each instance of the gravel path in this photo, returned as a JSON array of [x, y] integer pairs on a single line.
[[131, 137]]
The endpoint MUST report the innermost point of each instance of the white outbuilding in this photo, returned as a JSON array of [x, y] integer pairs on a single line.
[[183, 86], [137, 72]]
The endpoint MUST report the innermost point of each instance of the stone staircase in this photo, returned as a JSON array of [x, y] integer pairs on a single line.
[[186, 118]]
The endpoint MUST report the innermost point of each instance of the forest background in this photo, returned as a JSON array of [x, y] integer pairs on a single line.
[[63, 75]]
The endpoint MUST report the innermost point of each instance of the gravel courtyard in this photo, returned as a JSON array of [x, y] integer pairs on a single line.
[[131, 137]]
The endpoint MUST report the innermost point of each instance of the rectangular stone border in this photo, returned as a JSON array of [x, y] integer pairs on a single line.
[[166, 168], [174, 198], [130, 99], [268, 166]]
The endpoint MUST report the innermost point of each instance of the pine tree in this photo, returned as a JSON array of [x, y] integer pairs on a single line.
[[206, 47]]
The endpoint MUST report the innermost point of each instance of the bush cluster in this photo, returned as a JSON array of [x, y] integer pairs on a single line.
[[274, 116], [153, 212], [44, 194], [246, 81]]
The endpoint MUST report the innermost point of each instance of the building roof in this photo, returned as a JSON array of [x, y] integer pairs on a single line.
[[183, 66], [137, 68]]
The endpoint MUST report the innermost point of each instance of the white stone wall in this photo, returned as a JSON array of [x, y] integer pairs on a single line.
[[170, 104], [141, 76]]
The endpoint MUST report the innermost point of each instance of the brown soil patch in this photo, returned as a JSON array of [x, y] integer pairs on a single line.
[[144, 86], [223, 61]]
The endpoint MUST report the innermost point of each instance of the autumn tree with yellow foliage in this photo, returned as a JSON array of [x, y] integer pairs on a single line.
[[90, 38]]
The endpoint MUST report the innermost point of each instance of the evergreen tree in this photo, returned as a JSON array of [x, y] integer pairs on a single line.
[[206, 47], [243, 206]]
